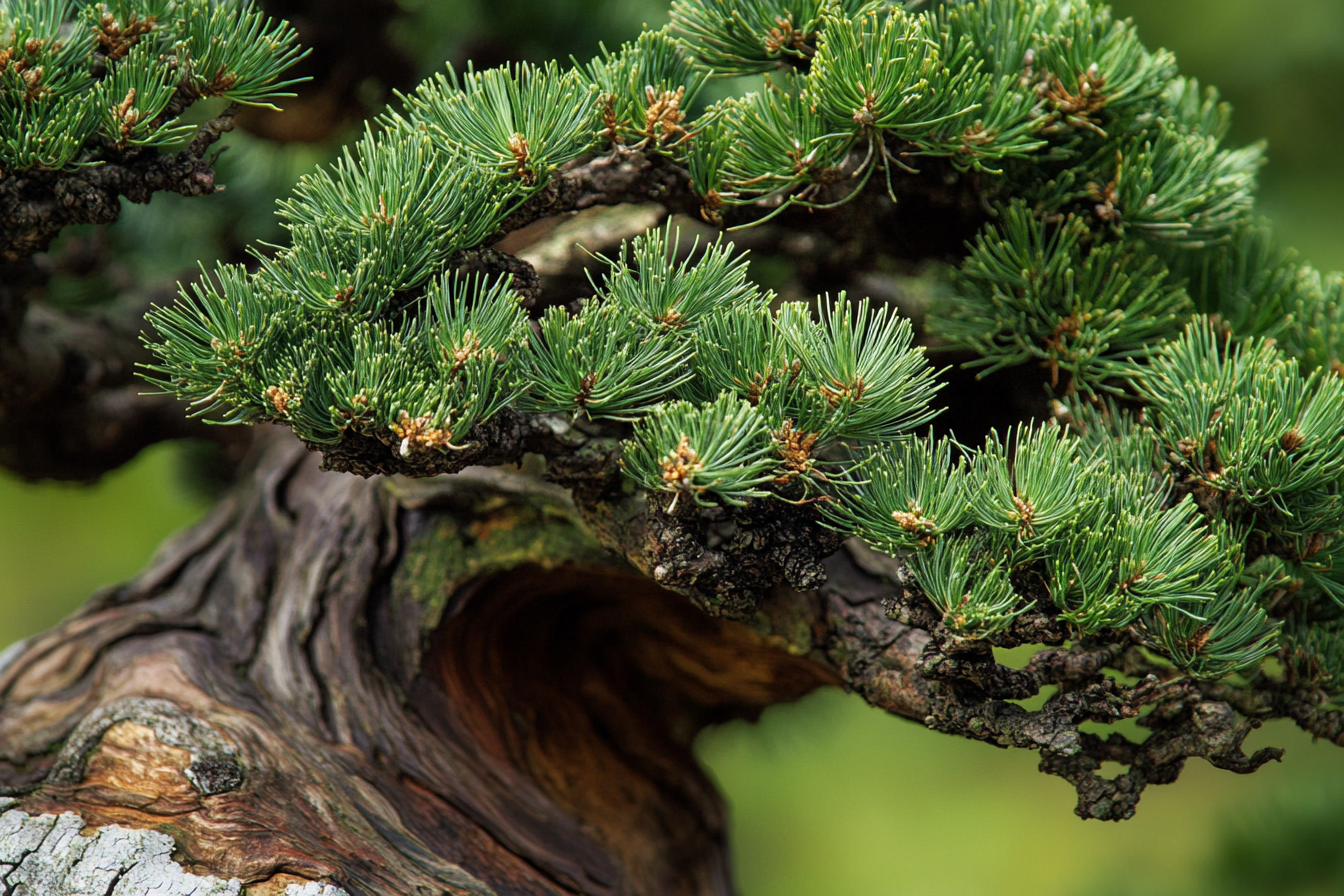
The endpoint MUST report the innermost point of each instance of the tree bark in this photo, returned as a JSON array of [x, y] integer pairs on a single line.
[[398, 686]]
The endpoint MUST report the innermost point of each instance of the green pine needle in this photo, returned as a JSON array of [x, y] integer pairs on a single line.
[[904, 497], [592, 364], [862, 363], [717, 453], [668, 292], [743, 37], [520, 122], [969, 586]]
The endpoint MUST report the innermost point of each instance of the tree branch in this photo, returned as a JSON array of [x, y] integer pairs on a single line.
[[450, 682], [70, 403], [36, 205]]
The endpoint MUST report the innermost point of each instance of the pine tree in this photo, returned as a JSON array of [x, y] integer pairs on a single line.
[[1168, 530]]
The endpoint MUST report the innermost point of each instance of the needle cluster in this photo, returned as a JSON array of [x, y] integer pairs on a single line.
[[79, 78]]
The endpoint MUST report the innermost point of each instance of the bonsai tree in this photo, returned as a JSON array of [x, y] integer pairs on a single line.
[[589, 516]]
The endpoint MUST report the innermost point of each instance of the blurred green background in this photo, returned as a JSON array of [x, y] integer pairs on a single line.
[[828, 797]]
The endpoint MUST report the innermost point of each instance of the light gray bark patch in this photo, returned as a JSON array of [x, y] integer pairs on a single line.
[[313, 888], [214, 767], [21, 834], [48, 855]]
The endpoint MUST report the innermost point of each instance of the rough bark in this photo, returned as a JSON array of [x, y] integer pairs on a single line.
[[37, 204], [435, 686]]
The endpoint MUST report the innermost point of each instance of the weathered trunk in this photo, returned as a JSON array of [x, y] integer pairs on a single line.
[[430, 686]]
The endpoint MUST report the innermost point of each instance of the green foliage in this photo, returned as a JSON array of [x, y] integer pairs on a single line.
[[212, 344], [1032, 290], [665, 295], [379, 222], [1178, 186], [903, 497], [74, 76], [432, 399], [717, 452], [520, 122], [645, 90], [1234, 633], [881, 74], [232, 51], [1010, 118], [1316, 654], [1197, 480], [739, 352], [1247, 282], [1243, 421], [593, 364], [476, 329], [474, 319], [1317, 340], [862, 364], [1319, 560], [1118, 565], [1197, 111], [749, 36], [131, 101], [784, 144], [1095, 68], [1035, 500], [1122, 440], [372, 377], [426, 381], [969, 585]]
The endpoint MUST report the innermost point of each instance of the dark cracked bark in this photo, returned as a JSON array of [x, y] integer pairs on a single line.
[[36, 205]]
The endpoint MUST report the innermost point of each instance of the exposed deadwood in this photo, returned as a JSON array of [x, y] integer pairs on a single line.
[[442, 684]]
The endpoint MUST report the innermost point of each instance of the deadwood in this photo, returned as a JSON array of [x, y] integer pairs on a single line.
[[392, 686], [448, 684]]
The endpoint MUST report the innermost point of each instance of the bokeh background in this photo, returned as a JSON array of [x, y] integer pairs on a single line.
[[828, 797]]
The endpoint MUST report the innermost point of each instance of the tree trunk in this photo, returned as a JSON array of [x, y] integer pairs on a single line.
[[403, 686]]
